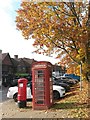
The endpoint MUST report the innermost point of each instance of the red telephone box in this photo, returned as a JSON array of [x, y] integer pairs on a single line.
[[22, 92], [42, 85]]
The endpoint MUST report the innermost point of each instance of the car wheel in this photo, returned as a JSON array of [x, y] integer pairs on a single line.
[[15, 97], [56, 95]]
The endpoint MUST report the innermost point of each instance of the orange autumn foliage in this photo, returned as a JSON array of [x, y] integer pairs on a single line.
[[59, 28]]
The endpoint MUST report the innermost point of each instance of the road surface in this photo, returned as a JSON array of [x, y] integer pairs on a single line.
[[3, 94]]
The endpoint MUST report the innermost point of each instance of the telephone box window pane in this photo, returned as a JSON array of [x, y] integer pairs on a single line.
[[39, 76], [40, 102], [39, 87]]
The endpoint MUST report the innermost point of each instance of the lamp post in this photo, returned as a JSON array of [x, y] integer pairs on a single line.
[[81, 76]]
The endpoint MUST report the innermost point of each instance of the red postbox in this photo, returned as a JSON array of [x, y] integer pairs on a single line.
[[42, 85], [22, 92]]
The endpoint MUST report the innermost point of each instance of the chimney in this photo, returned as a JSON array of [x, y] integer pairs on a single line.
[[16, 56]]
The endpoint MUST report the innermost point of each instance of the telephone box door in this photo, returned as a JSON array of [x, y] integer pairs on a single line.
[[39, 87]]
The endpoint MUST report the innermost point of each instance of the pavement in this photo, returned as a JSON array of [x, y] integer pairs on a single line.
[[3, 93], [10, 109]]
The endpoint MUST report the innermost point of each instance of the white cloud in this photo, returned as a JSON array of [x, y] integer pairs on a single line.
[[6, 4]]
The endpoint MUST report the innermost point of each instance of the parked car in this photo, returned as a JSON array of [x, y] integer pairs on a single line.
[[72, 76], [56, 82], [66, 80], [69, 80], [15, 81], [58, 92]]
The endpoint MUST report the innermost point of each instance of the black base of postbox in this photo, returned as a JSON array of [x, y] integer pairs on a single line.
[[21, 104]]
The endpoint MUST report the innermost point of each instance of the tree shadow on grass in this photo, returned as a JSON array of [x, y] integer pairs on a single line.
[[69, 105]]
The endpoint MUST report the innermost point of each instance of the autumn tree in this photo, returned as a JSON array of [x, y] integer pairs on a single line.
[[58, 28]]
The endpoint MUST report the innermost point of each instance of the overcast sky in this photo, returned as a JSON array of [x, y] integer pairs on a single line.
[[11, 40]]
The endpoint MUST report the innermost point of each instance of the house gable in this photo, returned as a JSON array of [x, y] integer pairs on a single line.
[[6, 60]]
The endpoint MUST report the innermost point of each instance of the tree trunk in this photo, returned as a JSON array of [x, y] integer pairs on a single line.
[[88, 44]]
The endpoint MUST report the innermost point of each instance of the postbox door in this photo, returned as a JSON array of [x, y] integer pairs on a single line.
[[22, 91], [39, 87]]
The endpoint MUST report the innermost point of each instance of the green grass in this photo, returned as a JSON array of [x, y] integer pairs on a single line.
[[68, 105]]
